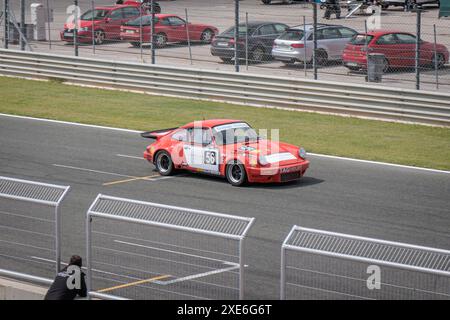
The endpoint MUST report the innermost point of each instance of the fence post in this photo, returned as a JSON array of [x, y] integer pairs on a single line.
[[75, 29], [58, 239], [88, 255], [366, 50], [141, 36], [22, 24], [93, 27], [246, 41], [417, 58], [152, 32], [304, 45], [6, 20], [188, 36], [315, 40], [436, 65], [236, 35], [48, 26], [241, 269], [283, 274]]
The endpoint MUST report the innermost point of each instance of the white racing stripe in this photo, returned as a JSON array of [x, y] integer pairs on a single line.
[[313, 154]]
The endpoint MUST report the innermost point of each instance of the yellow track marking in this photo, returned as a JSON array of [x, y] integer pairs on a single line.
[[131, 179], [126, 285]]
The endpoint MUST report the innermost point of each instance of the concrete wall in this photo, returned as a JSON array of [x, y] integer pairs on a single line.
[[16, 290]]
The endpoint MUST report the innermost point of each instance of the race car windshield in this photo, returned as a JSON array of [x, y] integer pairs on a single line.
[[234, 133], [94, 15]]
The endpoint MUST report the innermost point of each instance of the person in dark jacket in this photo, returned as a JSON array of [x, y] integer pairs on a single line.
[[64, 287], [332, 6]]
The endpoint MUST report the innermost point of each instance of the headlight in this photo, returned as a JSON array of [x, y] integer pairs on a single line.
[[302, 153], [262, 160]]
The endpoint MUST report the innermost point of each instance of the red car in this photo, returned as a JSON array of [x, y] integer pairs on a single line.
[[168, 28], [105, 20], [398, 48], [227, 148]]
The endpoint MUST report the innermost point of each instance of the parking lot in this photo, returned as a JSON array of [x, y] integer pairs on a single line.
[[220, 13]]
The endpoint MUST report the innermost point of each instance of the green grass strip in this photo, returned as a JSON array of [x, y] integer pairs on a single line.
[[406, 144]]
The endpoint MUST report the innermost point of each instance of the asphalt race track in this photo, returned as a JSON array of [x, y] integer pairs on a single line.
[[373, 200]]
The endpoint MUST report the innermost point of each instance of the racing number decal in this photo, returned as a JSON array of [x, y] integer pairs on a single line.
[[210, 158]]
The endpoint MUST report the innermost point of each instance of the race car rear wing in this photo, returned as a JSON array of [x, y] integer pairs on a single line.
[[155, 134]]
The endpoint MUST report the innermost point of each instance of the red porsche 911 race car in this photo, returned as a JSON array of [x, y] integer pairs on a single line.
[[227, 148]]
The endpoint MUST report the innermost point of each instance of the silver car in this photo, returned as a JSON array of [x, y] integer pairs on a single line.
[[290, 47]]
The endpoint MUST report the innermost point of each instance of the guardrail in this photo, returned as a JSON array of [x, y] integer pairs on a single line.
[[367, 101]]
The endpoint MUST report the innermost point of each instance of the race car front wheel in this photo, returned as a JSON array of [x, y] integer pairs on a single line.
[[236, 174], [164, 163]]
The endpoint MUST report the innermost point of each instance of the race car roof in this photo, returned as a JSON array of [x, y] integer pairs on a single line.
[[211, 123]]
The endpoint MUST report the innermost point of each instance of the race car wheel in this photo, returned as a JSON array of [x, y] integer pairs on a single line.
[[164, 163], [236, 174]]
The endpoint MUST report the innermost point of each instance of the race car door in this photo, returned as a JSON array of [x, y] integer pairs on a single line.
[[200, 152]]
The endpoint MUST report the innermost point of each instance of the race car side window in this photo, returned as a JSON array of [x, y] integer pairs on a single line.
[[200, 136], [181, 135]]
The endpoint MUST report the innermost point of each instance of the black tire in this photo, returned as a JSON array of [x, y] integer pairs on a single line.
[[236, 174], [207, 36], [164, 163], [440, 61], [258, 54], [321, 57], [99, 37], [266, 1], [225, 60], [161, 40], [136, 44]]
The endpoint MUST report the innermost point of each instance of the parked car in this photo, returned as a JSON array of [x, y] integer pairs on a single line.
[[261, 35], [407, 3], [291, 46], [226, 148], [106, 21], [168, 28], [282, 1], [398, 48]]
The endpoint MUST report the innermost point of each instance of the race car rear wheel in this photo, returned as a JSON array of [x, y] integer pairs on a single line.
[[164, 163], [236, 174]]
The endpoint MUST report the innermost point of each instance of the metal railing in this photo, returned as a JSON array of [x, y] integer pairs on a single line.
[[144, 250], [31, 223], [279, 92], [320, 264]]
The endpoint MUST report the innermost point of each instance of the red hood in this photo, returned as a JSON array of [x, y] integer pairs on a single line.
[[268, 147]]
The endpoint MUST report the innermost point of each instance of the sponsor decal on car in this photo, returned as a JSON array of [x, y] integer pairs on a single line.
[[291, 169]]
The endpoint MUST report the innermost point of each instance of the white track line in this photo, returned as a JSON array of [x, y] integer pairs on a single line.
[[127, 156], [112, 173], [176, 252], [313, 154]]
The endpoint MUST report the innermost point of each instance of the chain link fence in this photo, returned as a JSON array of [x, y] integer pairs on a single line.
[[317, 265], [141, 250], [412, 52]]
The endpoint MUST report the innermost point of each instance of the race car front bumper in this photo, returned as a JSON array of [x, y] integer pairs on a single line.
[[277, 173]]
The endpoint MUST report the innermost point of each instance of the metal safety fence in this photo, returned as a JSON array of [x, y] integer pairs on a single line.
[[143, 250], [303, 40], [317, 264], [30, 233]]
